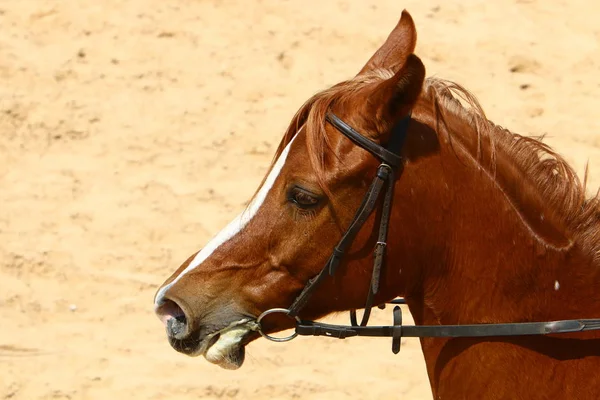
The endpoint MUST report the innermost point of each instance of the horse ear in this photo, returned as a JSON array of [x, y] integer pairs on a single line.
[[392, 99], [399, 45]]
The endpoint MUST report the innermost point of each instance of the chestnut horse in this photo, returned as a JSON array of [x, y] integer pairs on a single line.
[[486, 227]]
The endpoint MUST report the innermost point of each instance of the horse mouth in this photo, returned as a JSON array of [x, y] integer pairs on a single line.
[[224, 347]]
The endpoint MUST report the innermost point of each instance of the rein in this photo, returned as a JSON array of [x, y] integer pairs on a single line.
[[389, 170]]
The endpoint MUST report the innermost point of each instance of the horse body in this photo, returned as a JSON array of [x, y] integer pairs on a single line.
[[487, 227], [489, 256]]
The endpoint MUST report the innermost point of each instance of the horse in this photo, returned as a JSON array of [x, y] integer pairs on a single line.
[[486, 226]]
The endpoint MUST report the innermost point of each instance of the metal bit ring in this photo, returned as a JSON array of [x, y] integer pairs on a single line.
[[273, 338]]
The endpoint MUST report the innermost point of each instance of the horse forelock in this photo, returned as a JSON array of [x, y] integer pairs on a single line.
[[311, 118]]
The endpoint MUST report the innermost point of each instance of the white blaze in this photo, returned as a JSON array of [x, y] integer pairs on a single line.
[[234, 226]]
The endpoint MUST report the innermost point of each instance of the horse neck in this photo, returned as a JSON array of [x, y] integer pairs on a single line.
[[477, 246]]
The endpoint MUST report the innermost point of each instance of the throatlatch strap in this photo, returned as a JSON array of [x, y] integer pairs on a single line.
[[380, 250], [358, 221], [385, 174]]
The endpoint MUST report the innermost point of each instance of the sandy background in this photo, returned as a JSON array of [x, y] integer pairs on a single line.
[[131, 131]]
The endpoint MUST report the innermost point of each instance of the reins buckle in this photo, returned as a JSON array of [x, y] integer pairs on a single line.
[[397, 335], [309, 328], [379, 250], [384, 171]]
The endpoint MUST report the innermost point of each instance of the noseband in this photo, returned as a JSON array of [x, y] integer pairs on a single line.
[[389, 170]]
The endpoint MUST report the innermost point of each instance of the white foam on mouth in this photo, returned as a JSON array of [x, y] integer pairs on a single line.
[[234, 227], [229, 341], [219, 353]]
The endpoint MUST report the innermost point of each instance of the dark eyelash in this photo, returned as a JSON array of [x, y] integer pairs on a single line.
[[301, 196], [301, 213], [303, 199]]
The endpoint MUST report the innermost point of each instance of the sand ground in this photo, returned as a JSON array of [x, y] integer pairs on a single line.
[[130, 132]]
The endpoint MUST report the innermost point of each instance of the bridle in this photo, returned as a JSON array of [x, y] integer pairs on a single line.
[[389, 170]]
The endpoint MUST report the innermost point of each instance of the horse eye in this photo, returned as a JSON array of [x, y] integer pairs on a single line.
[[303, 198]]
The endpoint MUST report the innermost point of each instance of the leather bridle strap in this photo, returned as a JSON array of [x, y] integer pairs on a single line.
[[378, 254], [309, 328], [390, 161], [385, 178], [388, 156], [366, 208]]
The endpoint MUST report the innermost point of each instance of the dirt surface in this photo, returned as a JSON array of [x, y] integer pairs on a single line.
[[130, 132]]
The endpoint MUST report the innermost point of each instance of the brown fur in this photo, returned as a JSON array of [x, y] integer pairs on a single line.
[[487, 226], [536, 163], [533, 162]]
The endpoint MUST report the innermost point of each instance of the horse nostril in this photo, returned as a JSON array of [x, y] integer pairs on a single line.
[[173, 317]]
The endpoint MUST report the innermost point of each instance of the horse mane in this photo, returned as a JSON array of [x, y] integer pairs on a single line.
[[455, 107], [538, 165]]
